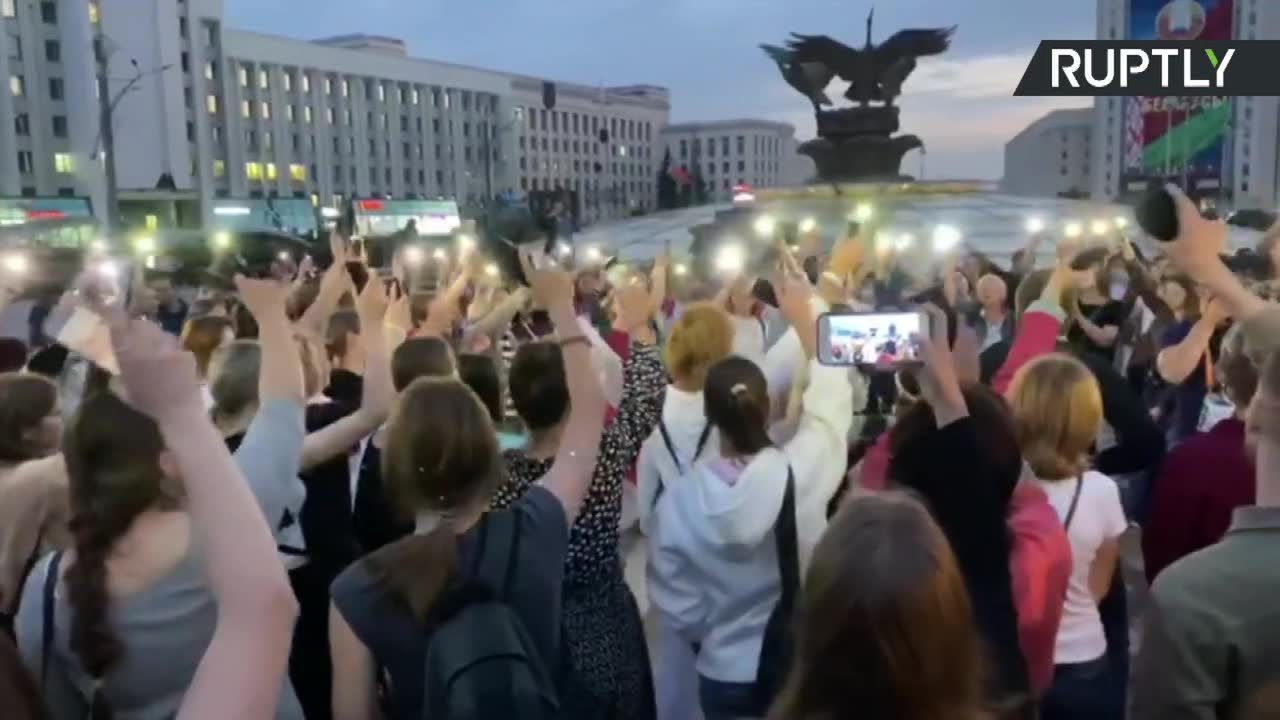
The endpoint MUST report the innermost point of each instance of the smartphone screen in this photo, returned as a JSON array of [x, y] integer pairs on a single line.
[[874, 339]]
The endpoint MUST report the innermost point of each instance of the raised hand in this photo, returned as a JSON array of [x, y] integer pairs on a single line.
[[159, 377], [939, 384], [794, 302], [551, 287], [634, 308], [1199, 243], [262, 296], [371, 303], [339, 248]]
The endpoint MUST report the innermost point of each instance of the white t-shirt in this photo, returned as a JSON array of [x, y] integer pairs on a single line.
[[1099, 517]]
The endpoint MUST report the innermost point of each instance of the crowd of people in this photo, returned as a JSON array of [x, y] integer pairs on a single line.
[[355, 495]]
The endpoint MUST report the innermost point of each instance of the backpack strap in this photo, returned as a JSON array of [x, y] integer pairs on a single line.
[[1075, 500], [496, 556], [671, 449], [48, 629], [784, 533]]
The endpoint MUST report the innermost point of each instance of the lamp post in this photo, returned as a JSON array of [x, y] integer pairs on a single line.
[[107, 104]]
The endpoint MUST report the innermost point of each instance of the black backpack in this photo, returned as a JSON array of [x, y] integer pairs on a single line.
[[481, 663], [775, 652]]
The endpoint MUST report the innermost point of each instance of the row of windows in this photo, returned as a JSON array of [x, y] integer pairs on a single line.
[[585, 147], [373, 89], [587, 186], [577, 124], [52, 49], [22, 125], [765, 144], [769, 167], [18, 87], [48, 10], [62, 162], [583, 166]]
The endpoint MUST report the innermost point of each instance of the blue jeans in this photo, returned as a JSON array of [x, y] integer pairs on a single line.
[[1083, 691], [729, 701]]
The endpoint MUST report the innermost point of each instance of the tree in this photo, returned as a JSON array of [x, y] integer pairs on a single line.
[[699, 194], [668, 192]]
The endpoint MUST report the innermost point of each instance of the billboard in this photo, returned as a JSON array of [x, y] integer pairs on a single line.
[[1179, 136]]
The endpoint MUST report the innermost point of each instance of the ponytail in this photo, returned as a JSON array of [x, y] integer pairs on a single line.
[[416, 569], [736, 402], [112, 454]]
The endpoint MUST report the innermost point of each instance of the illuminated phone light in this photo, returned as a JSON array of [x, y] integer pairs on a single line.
[[594, 254], [681, 269], [414, 256], [491, 270], [564, 250], [863, 212], [466, 242], [765, 225], [1099, 227], [1035, 225], [946, 238], [1073, 230], [16, 263], [99, 245], [906, 241], [283, 256], [730, 259], [222, 240], [808, 225], [108, 269], [440, 254], [150, 262], [144, 245], [1121, 222], [884, 242]]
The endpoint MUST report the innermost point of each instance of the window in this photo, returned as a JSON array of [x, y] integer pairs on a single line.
[[211, 104], [346, 117], [246, 110], [251, 139], [726, 167], [289, 111], [684, 149], [306, 83], [435, 125], [26, 161], [253, 170], [413, 97], [328, 86], [266, 111], [288, 81], [17, 47], [346, 87], [56, 91], [264, 80], [52, 51], [328, 112], [382, 92], [22, 124], [404, 124], [62, 163], [271, 171], [268, 140], [208, 71], [351, 145], [298, 173], [306, 114], [9, 9], [49, 11], [244, 76], [60, 126]]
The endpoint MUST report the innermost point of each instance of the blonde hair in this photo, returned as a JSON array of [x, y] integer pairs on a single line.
[[1057, 412], [701, 337]]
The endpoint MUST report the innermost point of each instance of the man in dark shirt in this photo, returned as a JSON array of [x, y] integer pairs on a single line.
[[1183, 362], [171, 310]]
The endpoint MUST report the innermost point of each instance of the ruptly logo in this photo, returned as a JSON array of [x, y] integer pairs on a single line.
[[1186, 68]]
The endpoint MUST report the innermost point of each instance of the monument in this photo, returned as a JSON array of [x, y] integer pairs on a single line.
[[857, 144]]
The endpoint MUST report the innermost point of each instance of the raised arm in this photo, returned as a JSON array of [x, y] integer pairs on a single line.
[[1196, 252], [335, 283], [375, 402], [242, 670], [1102, 335], [1176, 362], [571, 471]]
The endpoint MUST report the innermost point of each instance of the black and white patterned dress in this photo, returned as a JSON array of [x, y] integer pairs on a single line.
[[604, 668]]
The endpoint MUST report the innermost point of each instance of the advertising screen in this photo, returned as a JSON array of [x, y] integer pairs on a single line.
[[1178, 136]]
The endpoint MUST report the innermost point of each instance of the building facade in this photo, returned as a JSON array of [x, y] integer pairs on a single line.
[[228, 113], [1250, 174], [1051, 157], [759, 153]]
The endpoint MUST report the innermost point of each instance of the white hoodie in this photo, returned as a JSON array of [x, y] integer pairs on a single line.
[[712, 546]]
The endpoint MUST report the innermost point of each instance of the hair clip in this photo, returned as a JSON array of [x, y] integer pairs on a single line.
[[738, 389]]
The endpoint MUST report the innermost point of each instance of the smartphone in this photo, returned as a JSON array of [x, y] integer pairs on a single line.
[[359, 273], [882, 340]]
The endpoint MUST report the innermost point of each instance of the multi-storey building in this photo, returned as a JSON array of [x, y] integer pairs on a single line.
[[1051, 156], [759, 153], [1250, 155], [228, 113]]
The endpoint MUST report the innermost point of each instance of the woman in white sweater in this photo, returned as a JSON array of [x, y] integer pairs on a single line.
[[712, 539]]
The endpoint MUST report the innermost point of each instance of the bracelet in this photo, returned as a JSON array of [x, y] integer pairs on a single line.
[[565, 342]]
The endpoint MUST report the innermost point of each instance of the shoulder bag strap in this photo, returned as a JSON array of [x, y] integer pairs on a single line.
[[784, 533], [702, 440], [48, 628], [1075, 500]]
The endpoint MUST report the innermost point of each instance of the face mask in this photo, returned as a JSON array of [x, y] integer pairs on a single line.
[[1119, 290]]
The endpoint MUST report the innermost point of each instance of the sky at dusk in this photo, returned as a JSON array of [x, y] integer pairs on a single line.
[[705, 52]]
